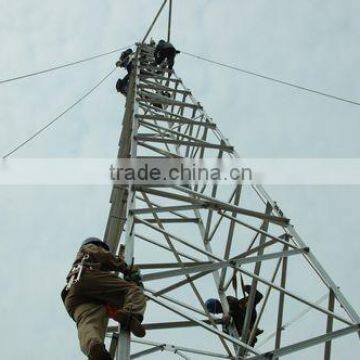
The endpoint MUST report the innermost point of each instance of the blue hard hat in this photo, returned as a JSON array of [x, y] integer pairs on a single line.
[[96, 241], [214, 306]]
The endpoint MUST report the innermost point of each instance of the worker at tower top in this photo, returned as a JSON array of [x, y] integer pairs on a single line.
[[125, 60], [165, 50], [93, 294], [237, 311]]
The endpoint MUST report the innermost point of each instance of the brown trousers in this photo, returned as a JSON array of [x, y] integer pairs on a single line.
[[86, 299]]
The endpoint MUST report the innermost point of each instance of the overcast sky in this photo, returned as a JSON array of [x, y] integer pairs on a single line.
[[311, 42]]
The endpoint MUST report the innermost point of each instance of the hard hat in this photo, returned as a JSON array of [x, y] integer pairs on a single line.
[[126, 53], [214, 306], [96, 241]]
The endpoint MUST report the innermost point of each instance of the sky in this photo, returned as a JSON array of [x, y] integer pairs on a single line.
[[310, 42]]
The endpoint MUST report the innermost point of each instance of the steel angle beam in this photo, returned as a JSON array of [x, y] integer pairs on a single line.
[[308, 343]]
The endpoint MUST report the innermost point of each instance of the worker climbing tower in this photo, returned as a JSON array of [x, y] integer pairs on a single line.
[[194, 242]]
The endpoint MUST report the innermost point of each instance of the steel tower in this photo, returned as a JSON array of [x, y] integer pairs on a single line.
[[191, 240]]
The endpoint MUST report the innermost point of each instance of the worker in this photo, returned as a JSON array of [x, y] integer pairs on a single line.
[[237, 311], [125, 61], [165, 50], [122, 85], [93, 294]]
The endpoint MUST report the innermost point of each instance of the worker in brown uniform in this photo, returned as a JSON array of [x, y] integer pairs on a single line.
[[92, 289]]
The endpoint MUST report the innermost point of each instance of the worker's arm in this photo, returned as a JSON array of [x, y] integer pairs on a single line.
[[233, 304], [233, 301], [108, 261]]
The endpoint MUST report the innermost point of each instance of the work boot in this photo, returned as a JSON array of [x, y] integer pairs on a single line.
[[130, 322], [98, 352]]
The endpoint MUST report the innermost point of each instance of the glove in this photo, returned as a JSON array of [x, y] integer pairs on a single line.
[[134, 277], [132, 274], [130, 269]]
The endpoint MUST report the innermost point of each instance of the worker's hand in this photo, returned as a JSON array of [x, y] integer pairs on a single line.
[[134, 268], [131, 269], [118, 63], [132, 274], [126, 270], [134, 277]]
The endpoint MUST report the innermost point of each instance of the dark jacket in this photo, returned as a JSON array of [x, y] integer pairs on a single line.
[[237, 310], [163, 46]]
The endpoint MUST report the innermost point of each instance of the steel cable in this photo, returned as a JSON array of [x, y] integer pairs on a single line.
[[283, 82], [38, 132]]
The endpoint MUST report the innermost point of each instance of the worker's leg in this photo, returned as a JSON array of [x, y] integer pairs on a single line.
[[171, 59], [110, 289], [170, 63], [135, 300], [91, 321], [107, 288]]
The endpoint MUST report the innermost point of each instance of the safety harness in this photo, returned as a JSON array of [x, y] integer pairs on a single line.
[[76, 272], [132, 275]]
